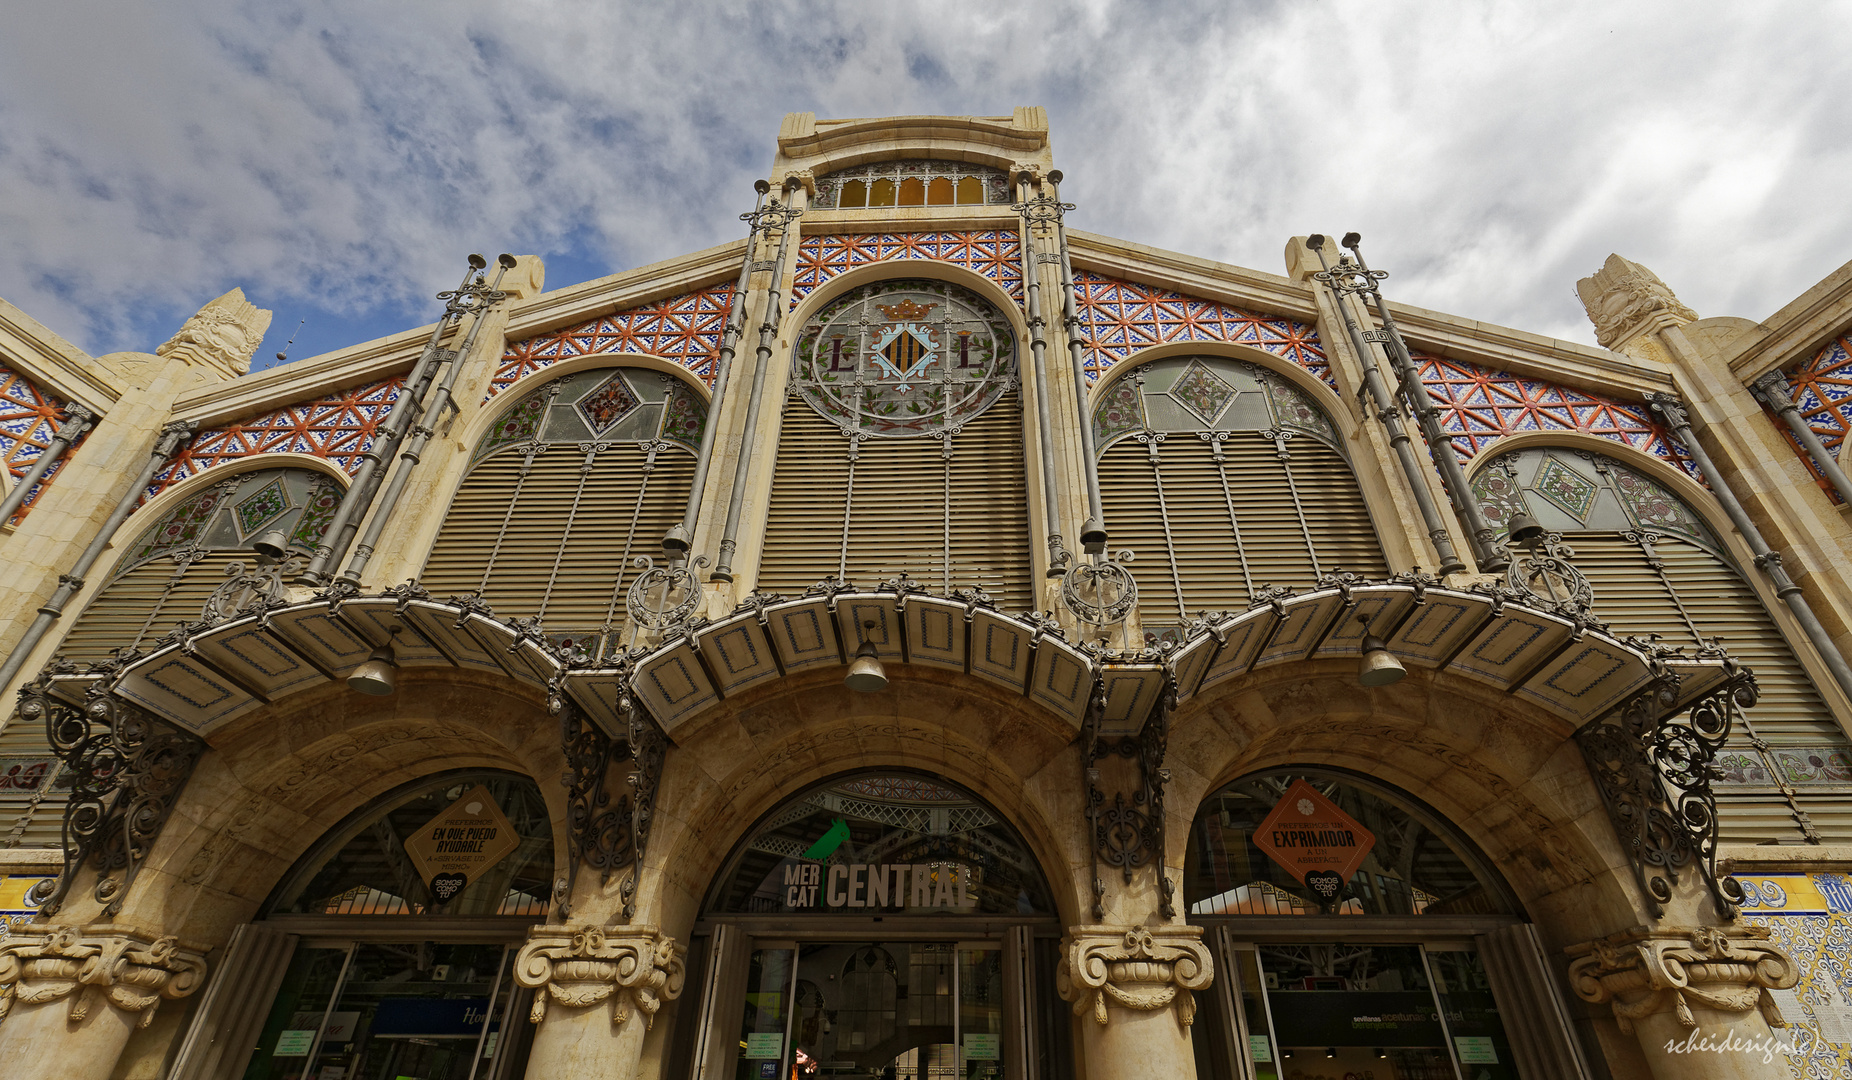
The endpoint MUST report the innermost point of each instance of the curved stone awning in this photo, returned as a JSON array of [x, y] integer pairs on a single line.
[[206, 676]]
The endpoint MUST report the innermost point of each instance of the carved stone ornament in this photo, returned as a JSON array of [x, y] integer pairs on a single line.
[[1728, 968], [579, 966], [1144, 968], [223, 334], [1625, 300], [97, 963]]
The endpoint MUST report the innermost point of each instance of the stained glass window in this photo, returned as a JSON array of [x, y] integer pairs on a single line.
[[912, 183]]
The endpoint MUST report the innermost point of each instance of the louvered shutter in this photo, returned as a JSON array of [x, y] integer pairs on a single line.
[[898, 521], [114, 618], [538, 513]]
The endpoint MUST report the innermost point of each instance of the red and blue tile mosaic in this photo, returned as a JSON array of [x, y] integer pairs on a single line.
[[339, 427], [1119, 318], [1822, 387], [996, 254], [685, 329], [1481, 406], [29, 418]]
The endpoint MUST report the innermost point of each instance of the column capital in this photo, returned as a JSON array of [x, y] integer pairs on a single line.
[[1645, 970], [102, 962], [581, 965], [1145, 968]]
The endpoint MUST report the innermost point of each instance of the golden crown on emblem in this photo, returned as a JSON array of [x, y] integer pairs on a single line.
[[905, 310]]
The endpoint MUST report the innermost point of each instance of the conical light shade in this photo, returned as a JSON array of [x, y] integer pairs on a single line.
[[865, 672], [1379, 666], [377, 675]]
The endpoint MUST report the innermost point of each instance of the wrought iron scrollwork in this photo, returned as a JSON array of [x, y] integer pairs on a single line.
[[598, 831], [255, 589], [127, 770], [1654, 770], [663, 597], [648, 748], [1128, 833], [1100, 593]]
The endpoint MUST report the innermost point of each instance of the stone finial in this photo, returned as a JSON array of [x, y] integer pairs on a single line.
[[1646, 970], [582, 965], [1141, 968], [91, 965], [223, 334], [1626, 301]]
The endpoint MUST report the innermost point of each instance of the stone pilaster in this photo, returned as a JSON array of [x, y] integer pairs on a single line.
[[1685, 991], [1136, 985], [573, 967], [71, 996]]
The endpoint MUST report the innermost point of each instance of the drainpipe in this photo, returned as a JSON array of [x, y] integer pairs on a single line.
[[421, 435], [1038, 352], [784, 219], [1772, 390], [77, 421], [1491, 557], [359, 496], [70, 584], [681, 534], [1076, 350], [1391, 419], [1769, 562]]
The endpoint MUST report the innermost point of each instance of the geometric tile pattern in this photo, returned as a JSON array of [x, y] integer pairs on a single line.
[[1822, 387], [28, 419], [685, 329], [339, 428], [996, 254], [1118, 318], [1479, 406]]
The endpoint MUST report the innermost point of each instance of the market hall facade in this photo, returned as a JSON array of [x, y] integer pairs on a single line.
[[923, 639]]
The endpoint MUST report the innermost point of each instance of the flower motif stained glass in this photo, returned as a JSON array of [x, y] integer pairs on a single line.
[[324, 499], [518, 425], [608, 404], [1201, 392], [1500, 497], [686, 419], [1118, 412], [1566, 488], [1655, 507], [260, 508]]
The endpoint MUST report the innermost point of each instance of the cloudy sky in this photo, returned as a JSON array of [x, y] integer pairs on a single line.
[[337, 159]]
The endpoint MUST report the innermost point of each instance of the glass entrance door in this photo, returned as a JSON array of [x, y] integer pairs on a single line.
[[909, 1010]]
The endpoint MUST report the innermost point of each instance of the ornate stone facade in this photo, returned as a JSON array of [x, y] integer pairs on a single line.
[[1142, 968], [94, 965], [224, 334], [1648, 970], [1627, 302], [578, 966]]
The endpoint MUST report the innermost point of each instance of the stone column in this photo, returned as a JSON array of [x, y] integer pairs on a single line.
[[1696, 997], [574, 967], [71, 996], [1133, 990]]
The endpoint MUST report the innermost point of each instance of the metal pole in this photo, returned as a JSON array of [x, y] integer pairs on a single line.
[[69, 584], [1768, 561], [1773, 390], [783, 218], [77, 421], [359, 495], [1038, 355], [681, 534], [421, 435], [1391, 419], [1487, 552], [1077, 347]]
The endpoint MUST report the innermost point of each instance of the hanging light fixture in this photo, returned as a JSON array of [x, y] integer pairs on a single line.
[[272, 545], [378, 674], [1524, 529], [1379, 666], [865, 672]]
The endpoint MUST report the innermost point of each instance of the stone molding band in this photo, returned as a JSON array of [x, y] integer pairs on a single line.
[[582, 965], [99, 962], [1140, 968], [1730, 969]]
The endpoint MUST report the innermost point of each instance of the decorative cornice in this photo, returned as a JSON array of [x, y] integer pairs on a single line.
[[1640, 971], [582, 965], [1140, 968], [100, 962]]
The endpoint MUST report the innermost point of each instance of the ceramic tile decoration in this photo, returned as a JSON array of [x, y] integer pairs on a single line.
[[1810, 916], [28, 419], [1822, 387], [685, 329], [996, 254], [1481, 406], [1119, 318], [338, 427]]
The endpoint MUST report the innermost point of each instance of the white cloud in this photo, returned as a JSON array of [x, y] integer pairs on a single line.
[[342, 156]]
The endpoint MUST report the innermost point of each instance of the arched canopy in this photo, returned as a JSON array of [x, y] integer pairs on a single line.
[[882, 842], [1400, 858]]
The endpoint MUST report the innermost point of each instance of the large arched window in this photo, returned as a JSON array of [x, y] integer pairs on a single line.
[[901, 449], [571, 484], [1656, 569], [1224, 479]]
